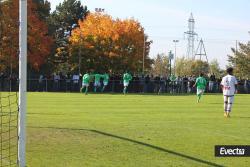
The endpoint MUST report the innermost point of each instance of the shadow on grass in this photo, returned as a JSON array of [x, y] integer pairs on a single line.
[[139, 143]]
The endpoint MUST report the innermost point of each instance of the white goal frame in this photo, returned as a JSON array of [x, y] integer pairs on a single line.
[[22, 82]]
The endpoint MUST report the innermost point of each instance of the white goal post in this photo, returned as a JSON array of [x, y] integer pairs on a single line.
[[22, 82]]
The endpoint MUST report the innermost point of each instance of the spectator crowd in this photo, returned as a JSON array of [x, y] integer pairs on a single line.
[[58, 82]]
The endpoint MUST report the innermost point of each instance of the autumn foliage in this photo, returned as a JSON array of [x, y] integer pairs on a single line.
[[105, 43], [98, 42], [39, 43]]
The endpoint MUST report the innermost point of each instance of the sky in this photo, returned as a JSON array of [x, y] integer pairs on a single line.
[[220, 23]]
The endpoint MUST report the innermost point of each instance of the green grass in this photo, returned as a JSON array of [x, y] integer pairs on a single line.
[[75, 130]]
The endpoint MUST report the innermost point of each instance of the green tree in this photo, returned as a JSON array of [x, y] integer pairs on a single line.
[[61, 22], [215, 68], [43, 9], [67, 14], [161, 65], [198, 67], [191, 67], [183, 66], [240, 60]]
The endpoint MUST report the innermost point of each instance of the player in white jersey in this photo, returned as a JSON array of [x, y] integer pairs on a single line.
[[229, 87]]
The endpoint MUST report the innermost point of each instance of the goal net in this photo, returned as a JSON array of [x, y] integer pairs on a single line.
[[9, 129]]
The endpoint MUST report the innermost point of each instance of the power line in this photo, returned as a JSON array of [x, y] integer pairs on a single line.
[[197, 28], [170, 38]]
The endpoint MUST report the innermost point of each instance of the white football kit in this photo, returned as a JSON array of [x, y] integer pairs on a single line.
[[228, 83]]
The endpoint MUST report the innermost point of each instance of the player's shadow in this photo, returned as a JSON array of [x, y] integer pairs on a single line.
[[159, 148], [141, 143]]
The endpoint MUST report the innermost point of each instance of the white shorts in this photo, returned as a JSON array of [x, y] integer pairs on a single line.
[[97, 84], [105, 83], [211, 83], [200, 91], [229, 99], [85, 84], [125, 84]]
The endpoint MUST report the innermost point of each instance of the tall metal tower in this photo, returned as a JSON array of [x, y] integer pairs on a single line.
[[191, 34], [201, 51]]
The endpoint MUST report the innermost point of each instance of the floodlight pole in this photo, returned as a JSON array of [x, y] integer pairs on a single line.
[[175, 56], [170, 56], [143, 54], [22, 81]]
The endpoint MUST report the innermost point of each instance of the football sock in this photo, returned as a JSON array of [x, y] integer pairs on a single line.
[[198, 97], [229, 107], [125, 90], [103, 88], [225, 106]]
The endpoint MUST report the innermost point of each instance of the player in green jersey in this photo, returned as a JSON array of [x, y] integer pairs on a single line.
[[97, 83], [201, 86], [126, 79], [85, 83], [105, 81]]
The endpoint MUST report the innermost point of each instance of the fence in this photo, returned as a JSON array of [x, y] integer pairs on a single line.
[[116, 86]]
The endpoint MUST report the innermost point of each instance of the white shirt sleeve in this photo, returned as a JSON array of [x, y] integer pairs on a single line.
[[223, 81], [235, 81]]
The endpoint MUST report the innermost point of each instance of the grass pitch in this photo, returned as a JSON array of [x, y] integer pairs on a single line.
[[74, 130]]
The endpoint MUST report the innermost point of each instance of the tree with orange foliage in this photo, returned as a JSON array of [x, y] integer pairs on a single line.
[[109, 44], [39, 43]]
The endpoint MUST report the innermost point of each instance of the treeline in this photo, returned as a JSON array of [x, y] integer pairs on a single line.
[[239, 60], [184, 67], [71, 39]]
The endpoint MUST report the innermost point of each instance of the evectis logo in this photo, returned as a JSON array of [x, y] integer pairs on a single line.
[[237, 151], [232, 151]]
